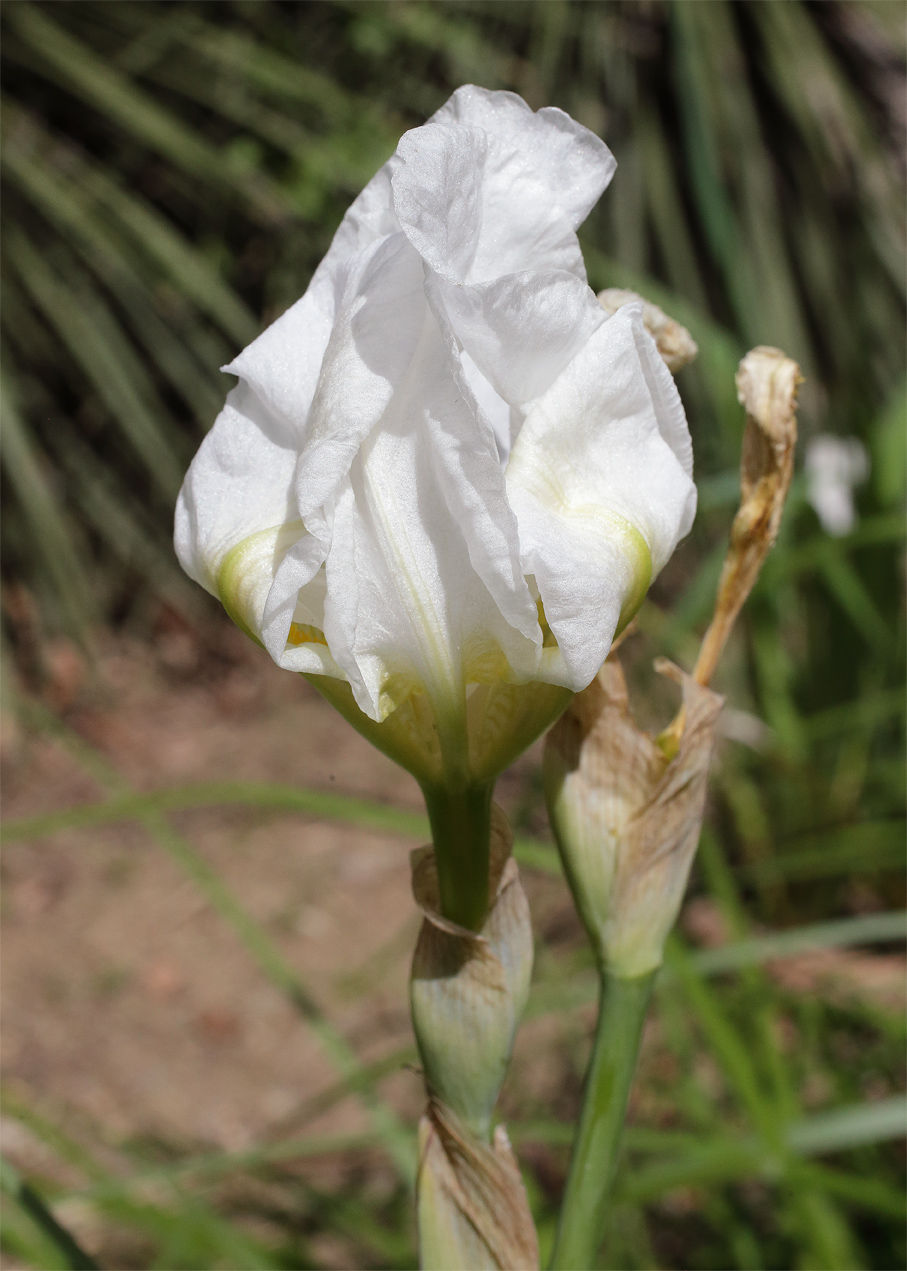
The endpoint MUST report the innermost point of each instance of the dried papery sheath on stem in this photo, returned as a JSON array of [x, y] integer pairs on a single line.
[[468, 991], [472, 1207]]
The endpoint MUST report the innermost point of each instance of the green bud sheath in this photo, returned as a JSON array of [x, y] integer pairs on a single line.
[[626, 810], [468, 989]]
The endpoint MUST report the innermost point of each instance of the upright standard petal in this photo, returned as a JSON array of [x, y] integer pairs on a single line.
[[490, 195], [575, 164], [599, 480], [284, 363]]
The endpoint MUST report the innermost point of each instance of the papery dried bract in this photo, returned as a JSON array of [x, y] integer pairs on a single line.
[[673, 341], [468, 989], [626, 807], [471, 1203], [767, 383], [627, 816]]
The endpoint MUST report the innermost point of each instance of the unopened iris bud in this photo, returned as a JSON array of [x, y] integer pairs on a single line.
[[626, 815]]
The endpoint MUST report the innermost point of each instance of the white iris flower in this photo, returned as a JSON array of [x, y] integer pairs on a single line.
[[446, 465], [834, 465]]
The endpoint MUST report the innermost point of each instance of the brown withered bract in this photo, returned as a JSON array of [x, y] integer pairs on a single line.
[[767, 383], [675, 344], [473, 1208]]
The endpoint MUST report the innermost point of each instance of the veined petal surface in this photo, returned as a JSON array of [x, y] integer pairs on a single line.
[[490, 194], [407, 609]]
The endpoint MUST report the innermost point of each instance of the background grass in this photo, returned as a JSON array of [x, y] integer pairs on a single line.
[[172, 175]]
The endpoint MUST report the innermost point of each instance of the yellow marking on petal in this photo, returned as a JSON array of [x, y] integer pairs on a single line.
[[302, 633], [247, 571], [484, 661], [549, 639], [397, 687], [642, 578], [545, 485]]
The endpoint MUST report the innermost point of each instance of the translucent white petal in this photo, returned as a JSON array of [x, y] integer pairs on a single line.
[[239, 483], [483, 211], [284, 363], [574, 163], [599, 481], [474, 209], [522, 330], [467, 459], [292, 577], [379, 320], [493, 406]]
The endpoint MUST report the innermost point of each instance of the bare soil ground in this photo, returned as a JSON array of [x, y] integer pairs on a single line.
[[126, 998]]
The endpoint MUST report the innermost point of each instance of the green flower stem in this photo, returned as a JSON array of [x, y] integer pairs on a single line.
[[622, 1012], [460, 818]]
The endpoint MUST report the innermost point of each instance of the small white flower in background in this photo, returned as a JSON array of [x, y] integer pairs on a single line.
[[446, 464], [834, 465]]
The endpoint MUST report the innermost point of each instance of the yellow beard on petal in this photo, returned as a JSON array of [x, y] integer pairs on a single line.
[[302, 633]]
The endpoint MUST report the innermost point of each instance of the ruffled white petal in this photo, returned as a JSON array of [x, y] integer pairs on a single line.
[[378, 324], [491, 404], [575, 165], [237, 484], [283, 364], [484, 209], [599, 483], [523, 329]]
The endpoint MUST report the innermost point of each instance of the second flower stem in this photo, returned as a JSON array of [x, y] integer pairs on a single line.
[[622, 1012]]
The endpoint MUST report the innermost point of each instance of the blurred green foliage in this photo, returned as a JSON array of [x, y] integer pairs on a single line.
[[172, 174]]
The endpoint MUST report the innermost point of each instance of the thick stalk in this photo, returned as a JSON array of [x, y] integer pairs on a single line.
[[622, 1012], [460, 818]]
